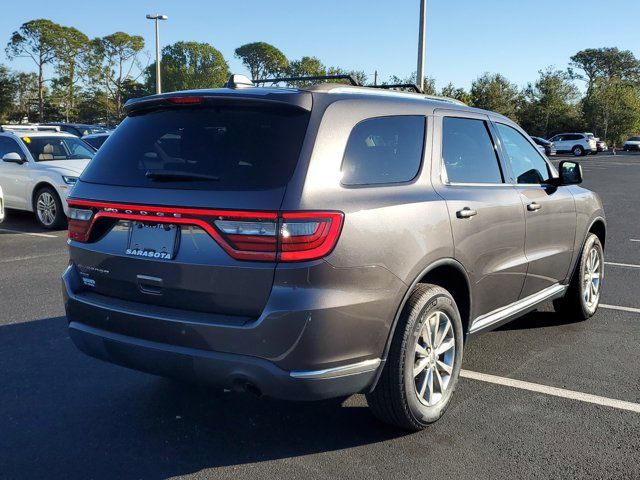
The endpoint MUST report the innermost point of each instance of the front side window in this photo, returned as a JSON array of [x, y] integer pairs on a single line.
[[468, 151], [527, 164], [57, 148], [384, 150], [8, 145]]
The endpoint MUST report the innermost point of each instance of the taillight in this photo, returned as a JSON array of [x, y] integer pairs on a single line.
[[79, 224], [308, 235], [249, 238], [292, 237], [255, 236]]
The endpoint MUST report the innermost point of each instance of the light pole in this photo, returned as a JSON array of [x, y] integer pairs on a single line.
[[422, 40], [157, 17]]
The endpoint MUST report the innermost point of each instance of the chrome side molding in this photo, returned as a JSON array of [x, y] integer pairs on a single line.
[[351, 369], [521, 305]]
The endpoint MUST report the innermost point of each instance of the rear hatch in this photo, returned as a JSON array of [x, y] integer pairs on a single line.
[[179, 206]]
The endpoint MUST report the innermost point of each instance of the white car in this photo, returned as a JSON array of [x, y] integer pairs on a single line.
[[38, 167], [1, 206], [577, 143], [632, 144]]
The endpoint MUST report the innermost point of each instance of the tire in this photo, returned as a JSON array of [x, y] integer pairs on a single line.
[[578, 151], [48, 209], [396, 399], [576, 303]]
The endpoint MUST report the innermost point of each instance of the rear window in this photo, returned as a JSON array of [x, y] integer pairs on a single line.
[[230, 147]]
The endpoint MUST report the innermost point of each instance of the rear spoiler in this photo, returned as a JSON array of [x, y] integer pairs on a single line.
[[224, 96]]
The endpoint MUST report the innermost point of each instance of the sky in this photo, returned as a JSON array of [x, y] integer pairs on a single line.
[[465, 38]]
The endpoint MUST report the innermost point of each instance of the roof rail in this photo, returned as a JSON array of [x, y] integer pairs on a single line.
[[29, 128], [351, 79], [394, 86]]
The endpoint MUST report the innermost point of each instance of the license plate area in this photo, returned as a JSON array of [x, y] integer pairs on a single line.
[[153, 240]]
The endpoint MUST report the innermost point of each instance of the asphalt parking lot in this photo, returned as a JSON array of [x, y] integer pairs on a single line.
[[542, 397]]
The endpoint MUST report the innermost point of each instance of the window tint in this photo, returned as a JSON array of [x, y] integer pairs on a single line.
[[236, 146], [8, 145], [526, 163], [384, 150], [468, 152]]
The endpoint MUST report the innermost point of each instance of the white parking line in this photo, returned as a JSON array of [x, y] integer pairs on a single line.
[[31, 257], [554, 391], [634, 239], [628, 265], [33, 234], [618, 307]]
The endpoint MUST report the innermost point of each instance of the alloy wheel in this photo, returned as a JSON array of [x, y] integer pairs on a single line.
[[46, 208], [592, 278], [434, 358]]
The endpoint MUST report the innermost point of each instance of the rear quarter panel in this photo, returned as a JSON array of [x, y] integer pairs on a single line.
[[391, 233]]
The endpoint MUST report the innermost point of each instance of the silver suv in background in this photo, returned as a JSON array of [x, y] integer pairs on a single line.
[[317, 242], [579, 144], [38, 166]]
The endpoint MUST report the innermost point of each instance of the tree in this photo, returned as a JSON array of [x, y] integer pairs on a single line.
[[428, 88], [35, 39], [188, 65], [71, 54], [449, 90], [7, 92], [262, 60], [358, 75], [604, 63], [494, 92], [26, 97], [119, 53], [550, 104], [613, 109], [305, 67]]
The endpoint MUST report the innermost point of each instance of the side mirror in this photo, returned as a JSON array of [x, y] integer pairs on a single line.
[[13, 157], [570, 173]]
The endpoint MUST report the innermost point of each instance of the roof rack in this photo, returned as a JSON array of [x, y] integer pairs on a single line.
[[29, 128], [351, 79], [395, 86]]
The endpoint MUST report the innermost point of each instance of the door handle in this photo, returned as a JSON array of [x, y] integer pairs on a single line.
[[533, 206], [466, 212]]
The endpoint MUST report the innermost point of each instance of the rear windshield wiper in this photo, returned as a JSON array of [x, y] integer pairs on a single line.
[[178, 176]]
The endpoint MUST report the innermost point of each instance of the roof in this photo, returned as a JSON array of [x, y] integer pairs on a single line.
[[300, 97], [17, 132]]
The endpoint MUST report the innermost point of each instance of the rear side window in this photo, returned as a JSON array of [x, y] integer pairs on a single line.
[[384, 150], [468, 152], [211, 148]]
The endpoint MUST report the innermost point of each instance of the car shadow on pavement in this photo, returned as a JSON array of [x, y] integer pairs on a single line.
[[538, 319], [65, 415], [21, 221]]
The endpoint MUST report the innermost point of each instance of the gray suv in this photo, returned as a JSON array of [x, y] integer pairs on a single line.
[[318, 242]]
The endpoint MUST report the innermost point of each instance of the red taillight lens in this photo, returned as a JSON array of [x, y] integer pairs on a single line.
[[256, 236], [308, 235], [79, 224], [249, 238]]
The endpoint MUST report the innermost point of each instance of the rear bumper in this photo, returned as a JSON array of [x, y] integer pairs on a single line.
[[306, 346], [225, 370]]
